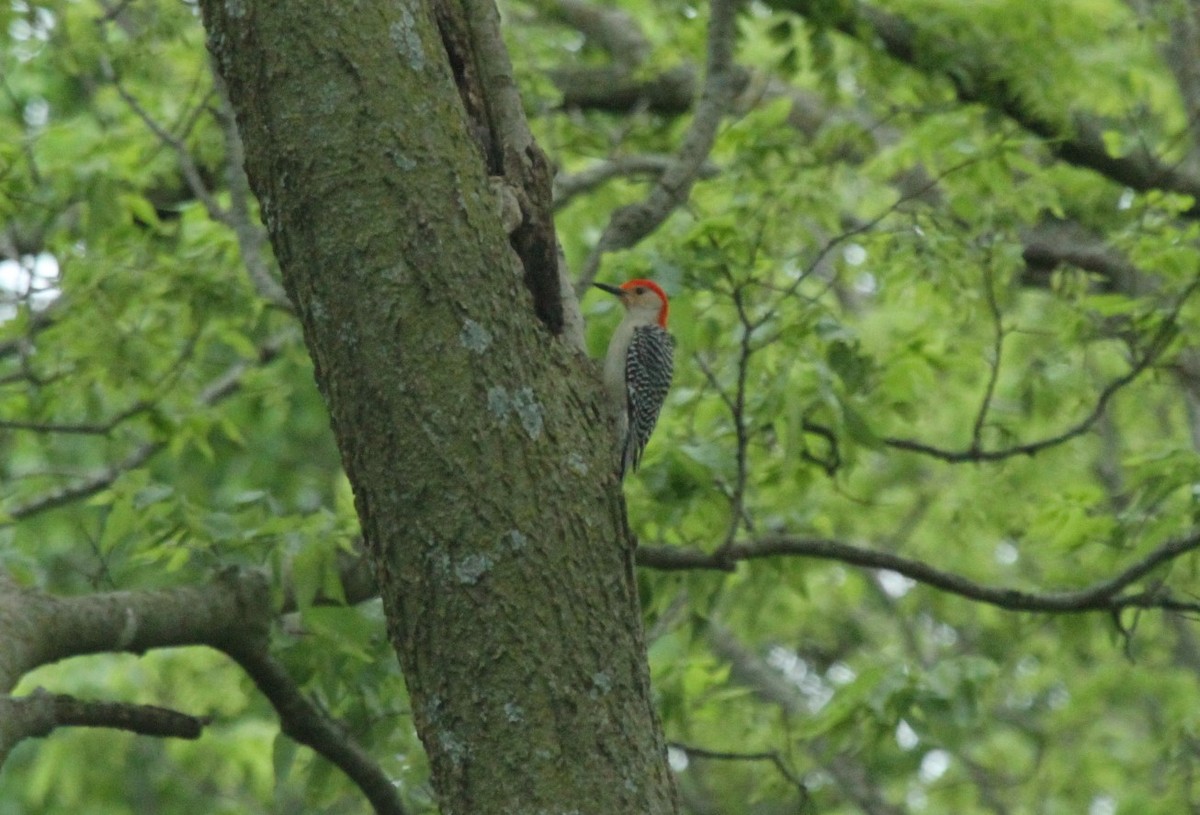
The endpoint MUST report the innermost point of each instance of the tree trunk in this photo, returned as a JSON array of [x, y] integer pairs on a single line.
[[472, 434]]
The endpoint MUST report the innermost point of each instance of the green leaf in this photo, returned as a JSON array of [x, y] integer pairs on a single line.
[[342, 628]]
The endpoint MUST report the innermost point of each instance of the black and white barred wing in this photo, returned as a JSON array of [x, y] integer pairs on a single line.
[[650, 364]]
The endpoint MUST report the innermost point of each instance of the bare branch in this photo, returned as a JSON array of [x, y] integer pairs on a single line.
[[40, 628], [1053, 243], [232, 614], [305, 722], [40, 713], [1106, 595], [738, 414]]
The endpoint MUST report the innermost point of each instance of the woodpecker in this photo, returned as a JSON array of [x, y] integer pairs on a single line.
[[638, 366]]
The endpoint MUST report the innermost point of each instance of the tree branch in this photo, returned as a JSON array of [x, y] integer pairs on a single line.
[[40, 713], [79, 428], [671, 92], [303, 721], [737, 409], [1053, 243], [1105, 595], [1076, 138], [232, 614], [86, 486], [612, 29], [219, 388], [1157, 345], [566, 187], [749, 669], [998, 334], [251, 237], [187, 165], [631, 223], [768, 755]]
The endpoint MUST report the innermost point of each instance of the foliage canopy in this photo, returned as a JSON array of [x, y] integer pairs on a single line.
[[917, 526]]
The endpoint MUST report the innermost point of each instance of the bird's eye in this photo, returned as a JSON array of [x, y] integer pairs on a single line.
[[640, 290]]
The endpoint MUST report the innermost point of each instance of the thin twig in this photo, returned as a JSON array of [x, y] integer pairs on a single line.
[[187, 165], [82, 428], [738, 410], [989, 391], [251, 236], [1156, 347], [869, 224], [218, 389], [728, 755], [566, 187]]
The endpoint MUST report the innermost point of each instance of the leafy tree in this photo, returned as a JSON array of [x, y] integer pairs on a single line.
[[916, 531]]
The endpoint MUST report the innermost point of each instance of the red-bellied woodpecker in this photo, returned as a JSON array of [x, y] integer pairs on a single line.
[[638, 366]]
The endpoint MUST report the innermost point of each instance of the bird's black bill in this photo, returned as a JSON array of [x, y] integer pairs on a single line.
[[617, 290]]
